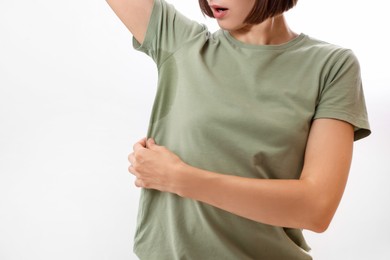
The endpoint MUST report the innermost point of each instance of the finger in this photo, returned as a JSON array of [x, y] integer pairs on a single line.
[[131, 158], [138, 146], [133, 171], [143, 141], [140, 143], [138, 183], [150, 143]]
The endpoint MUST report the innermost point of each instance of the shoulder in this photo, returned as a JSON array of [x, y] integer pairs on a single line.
[[328, 51], [332, 58]]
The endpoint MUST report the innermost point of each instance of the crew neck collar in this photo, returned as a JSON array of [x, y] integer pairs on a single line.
[[282, 46]]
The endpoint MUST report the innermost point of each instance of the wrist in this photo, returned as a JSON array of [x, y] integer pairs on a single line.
[[187, 180], [194, 183]]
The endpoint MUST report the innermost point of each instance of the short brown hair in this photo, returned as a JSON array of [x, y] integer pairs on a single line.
[[262, 10]]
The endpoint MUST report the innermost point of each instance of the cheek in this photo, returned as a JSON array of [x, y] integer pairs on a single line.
[[247, 8]]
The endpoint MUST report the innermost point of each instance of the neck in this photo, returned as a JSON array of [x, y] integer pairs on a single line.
[[273, 31]]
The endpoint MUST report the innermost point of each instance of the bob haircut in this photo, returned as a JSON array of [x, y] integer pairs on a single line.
[[262, 10]]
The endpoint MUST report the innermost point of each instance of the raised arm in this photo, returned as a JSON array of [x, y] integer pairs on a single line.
[[135, 15]]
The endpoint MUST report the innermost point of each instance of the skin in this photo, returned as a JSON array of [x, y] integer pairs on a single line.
[[272, 31], [134, 14], [238, 11], [307, 203]]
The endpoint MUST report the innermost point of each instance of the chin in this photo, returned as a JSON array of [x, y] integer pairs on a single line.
[[226, 26], [229, 26]]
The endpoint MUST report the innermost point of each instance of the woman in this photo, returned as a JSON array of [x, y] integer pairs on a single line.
[[251, 134]]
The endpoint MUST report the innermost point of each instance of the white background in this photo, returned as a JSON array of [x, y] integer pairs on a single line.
[[75, 96]]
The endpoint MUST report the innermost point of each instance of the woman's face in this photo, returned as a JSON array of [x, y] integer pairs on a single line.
[[231, 14]]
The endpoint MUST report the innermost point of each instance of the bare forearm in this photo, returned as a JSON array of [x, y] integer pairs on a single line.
[[287, 203], [307, 203]]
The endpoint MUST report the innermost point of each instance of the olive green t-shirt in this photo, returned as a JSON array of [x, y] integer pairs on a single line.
[[239, 109]]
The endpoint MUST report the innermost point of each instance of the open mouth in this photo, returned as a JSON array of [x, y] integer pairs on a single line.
[[219, 11]]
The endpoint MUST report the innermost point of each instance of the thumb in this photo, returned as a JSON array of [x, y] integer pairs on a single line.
[[150, 143]]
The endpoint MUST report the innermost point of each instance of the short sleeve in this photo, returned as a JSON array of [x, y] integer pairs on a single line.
[[168, 30], [342, 96]]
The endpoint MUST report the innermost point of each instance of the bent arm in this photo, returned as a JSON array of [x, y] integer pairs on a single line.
[[135, 15], [307, 203]]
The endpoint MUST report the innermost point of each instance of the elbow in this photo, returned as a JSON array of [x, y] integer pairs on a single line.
[[321, 217], [320, 226]]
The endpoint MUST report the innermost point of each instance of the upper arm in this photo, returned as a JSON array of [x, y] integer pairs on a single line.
[[327, 162], [135, 15]]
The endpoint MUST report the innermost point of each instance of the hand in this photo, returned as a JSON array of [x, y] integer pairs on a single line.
[[154, 166]]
